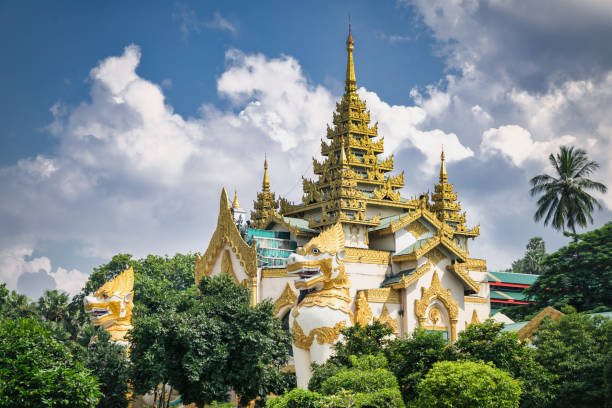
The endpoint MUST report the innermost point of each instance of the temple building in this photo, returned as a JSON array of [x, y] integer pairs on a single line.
[[407, 260]]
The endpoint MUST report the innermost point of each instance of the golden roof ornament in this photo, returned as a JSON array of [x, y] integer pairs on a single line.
[[266, 202], [236, 204], [266, 180]]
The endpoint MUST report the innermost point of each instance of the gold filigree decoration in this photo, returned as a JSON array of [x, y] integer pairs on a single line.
[[288, 297], [369, 256], [387, 191], [385, 318], [336, 299], [226, 265], [469, 299], [435, 256], [461, 270], [322, 334], [408, 280], [382, 295], [275, 273], [417, 229], [437, 292], [226, 233], [363, 313], [474, 319]]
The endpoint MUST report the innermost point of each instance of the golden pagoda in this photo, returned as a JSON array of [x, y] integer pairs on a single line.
[[404, 262], [266, 203]]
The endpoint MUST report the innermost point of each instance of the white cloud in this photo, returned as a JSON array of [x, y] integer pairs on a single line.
[[69, 281], [221, 23], [400, 125], [516, 143], [15, 261]]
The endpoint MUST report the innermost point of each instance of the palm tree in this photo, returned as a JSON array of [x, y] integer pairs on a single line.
[[565, 201]]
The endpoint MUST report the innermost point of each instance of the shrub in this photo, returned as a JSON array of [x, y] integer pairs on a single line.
[[466, 384]]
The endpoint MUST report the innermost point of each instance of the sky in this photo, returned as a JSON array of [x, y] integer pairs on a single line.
[[120, 122]]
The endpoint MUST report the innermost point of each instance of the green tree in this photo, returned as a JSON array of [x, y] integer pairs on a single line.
[[487, 342], [14, 305], [110, 363], [467, 384], [578, 350], [36, 370], [532, 261], [565, 201], [365, 382], [53, 305], [579, 274], [204, 345], [410, 358]]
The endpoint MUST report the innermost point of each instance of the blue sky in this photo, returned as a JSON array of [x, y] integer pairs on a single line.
[[122, 121]]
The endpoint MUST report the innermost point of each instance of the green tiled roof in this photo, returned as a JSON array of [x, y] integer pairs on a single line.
[[509, 277], [410, 248], [507, 295], [397, 278], [384, 222], [299, 223]]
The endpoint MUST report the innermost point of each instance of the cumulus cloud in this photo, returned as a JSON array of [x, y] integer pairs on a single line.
[[516, 143], [133, 176], [524, 78], [17, 261]]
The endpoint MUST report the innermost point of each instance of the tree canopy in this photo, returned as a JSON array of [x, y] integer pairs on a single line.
[[578, 351], [579, 274], [37, 370], [206, 344], [467, 384], [531, 263]]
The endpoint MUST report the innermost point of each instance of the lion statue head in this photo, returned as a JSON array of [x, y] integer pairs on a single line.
[[111, 306], [320, 263]]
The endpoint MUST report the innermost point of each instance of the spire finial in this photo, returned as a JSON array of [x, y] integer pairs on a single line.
[[350, 67], [235, 204], [443, 176], [266, 180]]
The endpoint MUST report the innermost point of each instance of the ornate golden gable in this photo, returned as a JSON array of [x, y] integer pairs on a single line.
[[437, 292], [226, 233]]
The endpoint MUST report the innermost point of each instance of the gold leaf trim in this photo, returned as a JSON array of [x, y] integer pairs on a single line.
[[368, 256], [436, 291], [363, 313], [288, 297], [406, 281], [274, 273], [469, 299], [322, 334], [385, 318], [417, 229], [226, 232], [382, 295]]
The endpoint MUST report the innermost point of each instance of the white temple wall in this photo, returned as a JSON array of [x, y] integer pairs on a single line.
[[271, 288], [238, 269]]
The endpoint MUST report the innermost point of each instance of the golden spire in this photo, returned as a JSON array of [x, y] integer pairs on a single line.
[[443, 176], [235, 204], [266, 180], [350, 67]]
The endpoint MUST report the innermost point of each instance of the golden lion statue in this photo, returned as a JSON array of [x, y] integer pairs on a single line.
[[111, 305], [325, 310]]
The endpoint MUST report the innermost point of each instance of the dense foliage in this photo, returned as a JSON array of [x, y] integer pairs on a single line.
[[579, 274], [578, 350], [37, 370], [565, 201], [466, 384], [487, 342], [364, 382], [205, 344], [531, 263]]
